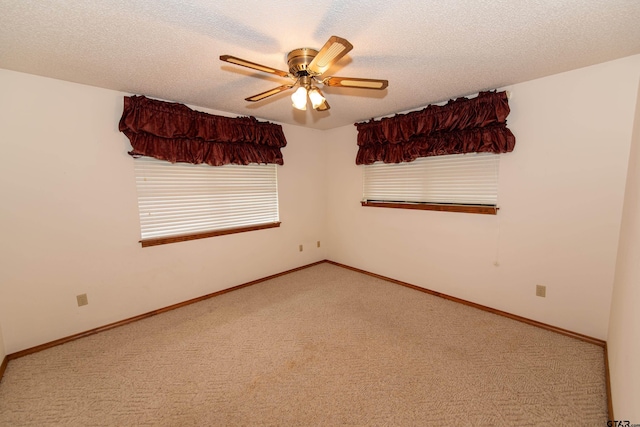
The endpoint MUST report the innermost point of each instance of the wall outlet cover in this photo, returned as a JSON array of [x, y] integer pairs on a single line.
[[82, 300]]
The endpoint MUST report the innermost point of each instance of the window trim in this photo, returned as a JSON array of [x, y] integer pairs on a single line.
[[441, 207], [186, 237]]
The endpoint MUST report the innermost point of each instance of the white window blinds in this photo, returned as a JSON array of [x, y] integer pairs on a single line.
[[179, 199], [466, 179]]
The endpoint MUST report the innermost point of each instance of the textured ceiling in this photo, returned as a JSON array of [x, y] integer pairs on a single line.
[[429, 50]]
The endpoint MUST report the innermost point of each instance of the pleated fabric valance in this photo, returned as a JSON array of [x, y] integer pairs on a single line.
[[461, 126], [176, 133]]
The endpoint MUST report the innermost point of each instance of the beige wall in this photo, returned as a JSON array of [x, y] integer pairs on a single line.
[[69, 215], [560, 197], [3, 353], [69, 218], [624, 324]]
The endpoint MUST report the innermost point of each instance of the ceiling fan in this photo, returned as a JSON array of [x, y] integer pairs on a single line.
[[306, 69]]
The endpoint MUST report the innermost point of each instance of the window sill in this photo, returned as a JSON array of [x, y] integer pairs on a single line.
[[474, 209], [185, 237]]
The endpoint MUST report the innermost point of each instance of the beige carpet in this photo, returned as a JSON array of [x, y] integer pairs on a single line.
[[322, 346]]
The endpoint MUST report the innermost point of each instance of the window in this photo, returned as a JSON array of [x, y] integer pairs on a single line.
[[181, 201], [457, 182]]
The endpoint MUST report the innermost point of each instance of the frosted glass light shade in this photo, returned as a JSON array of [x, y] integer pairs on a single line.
[[316, 97], [299, 98]]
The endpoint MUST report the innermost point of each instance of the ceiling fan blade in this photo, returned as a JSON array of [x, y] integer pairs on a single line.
[[268, 93], [324, 106], [334, 49], [356, 82], [253, 65]]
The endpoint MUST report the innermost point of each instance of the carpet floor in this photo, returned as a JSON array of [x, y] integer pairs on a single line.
[[321, 346]]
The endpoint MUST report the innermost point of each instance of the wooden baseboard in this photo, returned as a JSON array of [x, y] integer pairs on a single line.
[[548, 327], [253, 282], [607, 377], [3, 366], [74, 337]]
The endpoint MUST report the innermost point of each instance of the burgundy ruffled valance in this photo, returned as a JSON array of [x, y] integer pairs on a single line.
[[175, 133], [461, 126]]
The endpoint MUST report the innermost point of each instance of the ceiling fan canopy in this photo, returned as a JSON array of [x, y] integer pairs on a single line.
[[306, 68]]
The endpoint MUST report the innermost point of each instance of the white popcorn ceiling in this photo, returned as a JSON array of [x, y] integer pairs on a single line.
[[429, 50]]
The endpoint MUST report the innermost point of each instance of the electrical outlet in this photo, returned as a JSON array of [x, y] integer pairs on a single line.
[[300, 248], [82, 300], [318, 243], [541, 291]]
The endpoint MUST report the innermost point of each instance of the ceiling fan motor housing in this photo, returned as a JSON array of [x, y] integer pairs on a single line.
[[299, 60]]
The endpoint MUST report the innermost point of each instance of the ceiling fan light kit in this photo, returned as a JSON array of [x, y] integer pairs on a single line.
[[306, 67]]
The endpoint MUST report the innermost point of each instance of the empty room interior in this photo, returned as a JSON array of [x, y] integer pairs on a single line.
[[559, 252]]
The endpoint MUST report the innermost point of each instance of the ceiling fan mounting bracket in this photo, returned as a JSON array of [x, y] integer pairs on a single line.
[[299, 60]]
